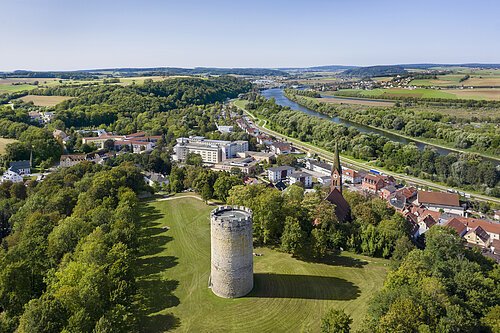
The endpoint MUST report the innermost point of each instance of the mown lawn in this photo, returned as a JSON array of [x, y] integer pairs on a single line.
[[3, 144], [289, 295]]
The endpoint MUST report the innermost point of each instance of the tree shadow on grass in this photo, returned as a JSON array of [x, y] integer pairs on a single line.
[[155, 293], [335, 260], [270, 285]]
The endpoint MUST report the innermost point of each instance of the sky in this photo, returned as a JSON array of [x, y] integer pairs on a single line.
[[89, 34]]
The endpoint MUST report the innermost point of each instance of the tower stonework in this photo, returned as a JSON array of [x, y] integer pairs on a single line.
[[231, 251], [336, 176]]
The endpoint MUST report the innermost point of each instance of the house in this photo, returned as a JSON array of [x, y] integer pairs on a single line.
[[156, 179], [21, 167], [258, 156], [69, 160], [281, 148], [385, 192], [492, 228], [320, 167], [224, 128], [301, 177], [402, 197], [441, 201], [11, 176], [35, 116], [372, 183], [478, 236], [351, 176], [263, 139], [497, 214], [458, 226], [425, 223], [47, 117], [276, 174], [495, 246]]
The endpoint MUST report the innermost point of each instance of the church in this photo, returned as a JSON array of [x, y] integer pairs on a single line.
[[342, 208]]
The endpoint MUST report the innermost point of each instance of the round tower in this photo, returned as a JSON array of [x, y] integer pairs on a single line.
[[231, 251]]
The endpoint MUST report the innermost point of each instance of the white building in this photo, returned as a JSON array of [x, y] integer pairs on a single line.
[[211, 151], [279, 173], [320, 167], [12, 176], [301, 177]]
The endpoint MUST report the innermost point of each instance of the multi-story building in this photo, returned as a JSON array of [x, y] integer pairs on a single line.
[[279, 173], [138, 142], [441, 201], [211, 151], [320, 167], [301, 177]]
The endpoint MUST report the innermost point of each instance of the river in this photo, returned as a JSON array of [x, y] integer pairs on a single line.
[[279, 95]]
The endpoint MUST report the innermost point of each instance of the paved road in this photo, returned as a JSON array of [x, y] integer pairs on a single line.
[[359, 165]]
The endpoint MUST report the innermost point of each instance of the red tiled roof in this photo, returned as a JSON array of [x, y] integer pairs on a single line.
[[491, 227], [342, 208], [458, 226], [439, 198]]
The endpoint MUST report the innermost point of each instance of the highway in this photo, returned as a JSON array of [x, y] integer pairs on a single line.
[[325, 154]]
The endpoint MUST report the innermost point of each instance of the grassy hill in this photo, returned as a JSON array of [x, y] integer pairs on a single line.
[[289, 295]]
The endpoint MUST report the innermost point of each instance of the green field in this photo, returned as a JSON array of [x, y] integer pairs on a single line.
[[4, 142], [289, 295], [475, 94]]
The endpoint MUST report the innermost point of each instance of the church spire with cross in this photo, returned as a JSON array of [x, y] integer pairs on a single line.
[[336, 176]]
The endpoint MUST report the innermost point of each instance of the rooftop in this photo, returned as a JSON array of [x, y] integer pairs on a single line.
[[439, 198]]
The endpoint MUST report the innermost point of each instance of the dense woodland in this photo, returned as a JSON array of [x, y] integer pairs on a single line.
[[463, 170], [67, 264]]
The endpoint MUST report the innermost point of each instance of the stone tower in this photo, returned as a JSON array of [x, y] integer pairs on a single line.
[[231, 251], [336, 176]]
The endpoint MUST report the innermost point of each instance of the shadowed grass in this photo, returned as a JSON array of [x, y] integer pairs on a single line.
[[289, 295]]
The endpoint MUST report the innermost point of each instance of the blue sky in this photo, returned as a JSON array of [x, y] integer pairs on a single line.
[[74, 34]]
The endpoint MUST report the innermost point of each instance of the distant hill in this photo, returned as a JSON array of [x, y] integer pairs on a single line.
[[154, 71], [328, 68], [373, 71]]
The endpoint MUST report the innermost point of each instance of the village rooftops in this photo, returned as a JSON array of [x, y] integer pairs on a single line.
[[490, 227], [458, 226], [439, 198]]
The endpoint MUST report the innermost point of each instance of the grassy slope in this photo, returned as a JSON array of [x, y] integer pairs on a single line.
[[289, 295], [4, 142]]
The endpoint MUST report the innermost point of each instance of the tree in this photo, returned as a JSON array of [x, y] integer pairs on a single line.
[[194, 159], [492, 319], [293, 237], [336, 321], [206, 192]]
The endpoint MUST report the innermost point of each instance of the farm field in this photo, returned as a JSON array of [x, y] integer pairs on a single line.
[[44, 100], [354, 101], [289, 295], [3, 143], [475, 80], [476, 94]]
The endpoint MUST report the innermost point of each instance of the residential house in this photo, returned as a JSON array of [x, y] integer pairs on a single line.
[[20, 167], [69, 160], [478, 236], [496, 216], [385, 192], [275, 174], [281, 148], [12, 176], [373, 183], [402, 197], [301, 177], [156, 179], [351, 176], [425, 223], [458, 226], [441, 201]]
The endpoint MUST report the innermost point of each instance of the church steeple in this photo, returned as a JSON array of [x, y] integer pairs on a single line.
[[336, 176]]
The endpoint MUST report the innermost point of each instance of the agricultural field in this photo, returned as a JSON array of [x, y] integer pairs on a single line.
[[289, 295], [354, 101], [477, 79], [3, 143], [44, 100], [476, 94]]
